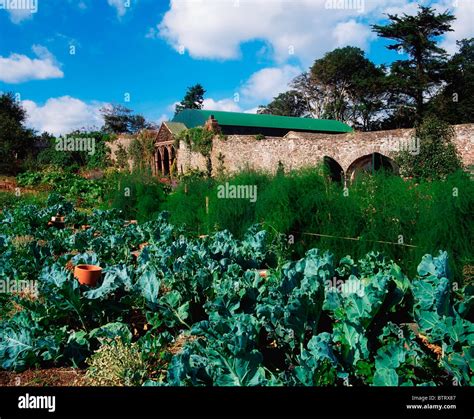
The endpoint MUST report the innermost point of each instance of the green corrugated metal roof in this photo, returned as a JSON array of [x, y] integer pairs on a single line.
[[195, 117], [175, 127]]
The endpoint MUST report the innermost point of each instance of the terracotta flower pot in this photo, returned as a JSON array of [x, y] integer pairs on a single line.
[[88, 274], [57, 221], [263, 273]]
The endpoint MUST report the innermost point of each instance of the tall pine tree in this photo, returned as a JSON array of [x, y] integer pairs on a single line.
[[414, 79], [193, 99]]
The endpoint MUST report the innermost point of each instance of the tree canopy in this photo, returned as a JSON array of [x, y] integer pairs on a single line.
[[120, 120], [193, 99], [16, 141], [414, 79], [291, 103], [345, 85]]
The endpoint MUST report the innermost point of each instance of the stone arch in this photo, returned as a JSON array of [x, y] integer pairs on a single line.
[[371, 162], [335, 170]]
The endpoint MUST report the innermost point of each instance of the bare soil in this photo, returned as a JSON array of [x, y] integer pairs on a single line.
[[53, 377]]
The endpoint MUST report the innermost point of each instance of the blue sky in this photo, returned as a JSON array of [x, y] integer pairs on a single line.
[[244, 52]]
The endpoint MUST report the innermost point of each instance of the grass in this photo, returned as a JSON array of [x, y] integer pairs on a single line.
[[415, 218], [9, 199]]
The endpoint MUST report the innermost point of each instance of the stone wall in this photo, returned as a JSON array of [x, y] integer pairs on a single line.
[[297, 150], [124, 141], [188, 160]]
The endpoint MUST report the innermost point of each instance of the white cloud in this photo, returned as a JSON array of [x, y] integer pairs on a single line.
[[20, 11], [463, 26], [120, 5], [463, 10], [404, 7], [352, 33], [252, 110], [215, 29], [18, 15], [172, 107], [164, 117], [19, 68], [62, 115], [265, 84], [261, 87], [227, 105]]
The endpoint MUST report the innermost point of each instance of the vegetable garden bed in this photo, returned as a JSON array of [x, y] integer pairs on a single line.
[[199, 311]]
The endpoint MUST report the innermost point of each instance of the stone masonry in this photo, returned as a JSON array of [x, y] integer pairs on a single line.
[[297, 150]]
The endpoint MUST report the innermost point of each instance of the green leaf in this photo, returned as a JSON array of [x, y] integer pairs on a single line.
[[385, 377]]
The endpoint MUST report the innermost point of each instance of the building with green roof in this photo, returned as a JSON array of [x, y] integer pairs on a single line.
[[235, 123]]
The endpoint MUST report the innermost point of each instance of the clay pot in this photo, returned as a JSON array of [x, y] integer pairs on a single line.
[[263, 273], [57, 221], [88, 274]]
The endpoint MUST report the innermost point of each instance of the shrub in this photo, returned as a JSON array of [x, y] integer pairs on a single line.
[[74, 160], [437, 156], [138, 194], [116, 363]]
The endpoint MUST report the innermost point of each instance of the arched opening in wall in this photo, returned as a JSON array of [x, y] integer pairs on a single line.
[[158, 162], [166, 162], [333, 169], [371, 163]]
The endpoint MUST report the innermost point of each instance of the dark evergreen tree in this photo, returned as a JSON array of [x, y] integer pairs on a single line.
[[413, 80], [193, 99], [16, 141]]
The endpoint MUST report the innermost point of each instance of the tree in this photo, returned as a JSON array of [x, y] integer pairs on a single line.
[[312, 93], [415, 78], [15, 139], [352, 86], [455, 103], [291, 103], [436, 155], [193, 99], [120, 120]]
